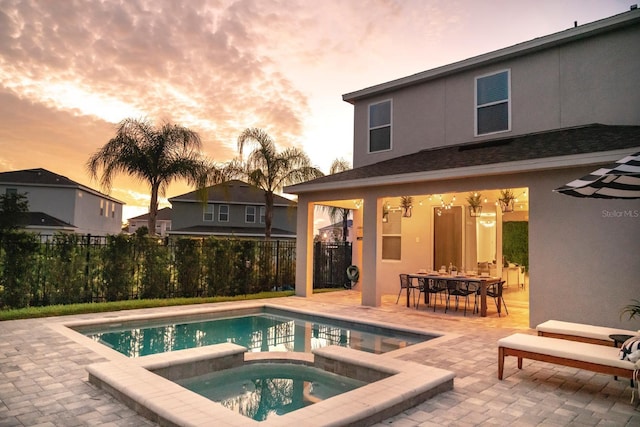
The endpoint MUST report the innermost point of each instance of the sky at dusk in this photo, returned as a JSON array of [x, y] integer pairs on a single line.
[[70, 70]]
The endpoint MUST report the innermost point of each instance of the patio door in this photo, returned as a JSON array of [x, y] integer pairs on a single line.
[[447, 237]]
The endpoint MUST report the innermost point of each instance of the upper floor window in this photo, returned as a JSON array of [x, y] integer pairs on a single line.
[[493, 103], [101, 207], [380, 126], [11, 191], [208, 213], [223, 213], [250, 214], [113, 210], [262, 214]]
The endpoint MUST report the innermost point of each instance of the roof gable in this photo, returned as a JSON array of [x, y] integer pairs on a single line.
[[612, 23], [40, 177], [233, 192], [163, 214]]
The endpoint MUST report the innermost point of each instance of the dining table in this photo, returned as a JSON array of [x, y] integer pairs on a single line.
[[482, 280]]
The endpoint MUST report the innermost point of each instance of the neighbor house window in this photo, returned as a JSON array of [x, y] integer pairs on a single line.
[[493, 103], [101, 207], [113, 210], [391, 235], [10, 191], [262, 214], [223, 213], [208, 213], [380, 126], [250, 214]]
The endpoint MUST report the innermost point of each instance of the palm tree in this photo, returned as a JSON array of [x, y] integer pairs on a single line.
[[155, 155], [339, 165], [270, 170]]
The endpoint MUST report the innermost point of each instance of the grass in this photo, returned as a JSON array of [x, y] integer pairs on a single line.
[[100, 307]]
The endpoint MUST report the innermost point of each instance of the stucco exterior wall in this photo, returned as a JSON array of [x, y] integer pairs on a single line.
[[584, 254], [564, 86]]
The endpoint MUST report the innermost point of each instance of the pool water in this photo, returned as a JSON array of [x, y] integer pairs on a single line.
[[258, 332], [265, 390]]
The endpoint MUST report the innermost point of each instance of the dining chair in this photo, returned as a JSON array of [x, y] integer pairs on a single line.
[[405, 284], [432, 287], [494, 291], [460, 289]]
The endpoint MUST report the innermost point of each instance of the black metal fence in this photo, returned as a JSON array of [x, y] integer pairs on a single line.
[[62, 269], [330, 262]]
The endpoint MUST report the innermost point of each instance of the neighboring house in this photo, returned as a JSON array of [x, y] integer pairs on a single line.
[[163, 222], [531, 117], [233, 209], [58, 204], [333, 232]]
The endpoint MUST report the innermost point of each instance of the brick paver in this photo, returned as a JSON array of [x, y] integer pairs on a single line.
[[43, 380]]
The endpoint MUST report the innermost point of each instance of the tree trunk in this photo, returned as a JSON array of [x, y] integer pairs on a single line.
[[153, 209], [268, 214]]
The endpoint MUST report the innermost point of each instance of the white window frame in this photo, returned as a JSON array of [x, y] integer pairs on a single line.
[[397, 214], [370, 128], [223, 211], [263, 213], [252, 214], [208, 213], [477, 107]]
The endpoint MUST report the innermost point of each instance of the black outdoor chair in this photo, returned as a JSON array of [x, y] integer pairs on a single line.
[[461, 289], [431, 287], [405, 284], [494, 291]]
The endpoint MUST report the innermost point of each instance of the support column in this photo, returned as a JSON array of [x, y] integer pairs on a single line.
[[304, 248], [372, 228]]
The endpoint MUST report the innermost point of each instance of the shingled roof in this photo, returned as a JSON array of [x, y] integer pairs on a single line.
[[543, 145], [234, 191], [163, 214]]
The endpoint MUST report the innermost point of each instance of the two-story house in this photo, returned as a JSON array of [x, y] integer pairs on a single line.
[[163, 222], [233, 209], [528, 118], [59, 204]]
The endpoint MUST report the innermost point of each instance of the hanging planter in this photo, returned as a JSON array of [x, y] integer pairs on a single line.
[[406, 203], [475, 204], [507, 200]]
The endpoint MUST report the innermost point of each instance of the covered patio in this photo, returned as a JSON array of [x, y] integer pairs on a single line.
[[439, 181]]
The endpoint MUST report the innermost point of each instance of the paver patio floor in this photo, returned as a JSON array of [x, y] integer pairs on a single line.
[[43, 381]]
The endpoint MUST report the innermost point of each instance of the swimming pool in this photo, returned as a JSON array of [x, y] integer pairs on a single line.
[[259, 330]]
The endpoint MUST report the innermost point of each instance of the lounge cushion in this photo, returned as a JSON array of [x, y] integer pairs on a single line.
[[593, 353], [630, 350], [581, 330]]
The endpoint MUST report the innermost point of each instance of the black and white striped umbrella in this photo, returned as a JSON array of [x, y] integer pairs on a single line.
[[621, 180]]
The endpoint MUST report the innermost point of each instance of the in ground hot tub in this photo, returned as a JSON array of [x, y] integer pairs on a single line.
[[150, 385]]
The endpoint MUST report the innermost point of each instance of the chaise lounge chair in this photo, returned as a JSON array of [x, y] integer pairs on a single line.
[[581, 332], [592, 357]]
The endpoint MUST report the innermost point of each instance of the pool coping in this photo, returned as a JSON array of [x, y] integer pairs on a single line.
[[401, 386]]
